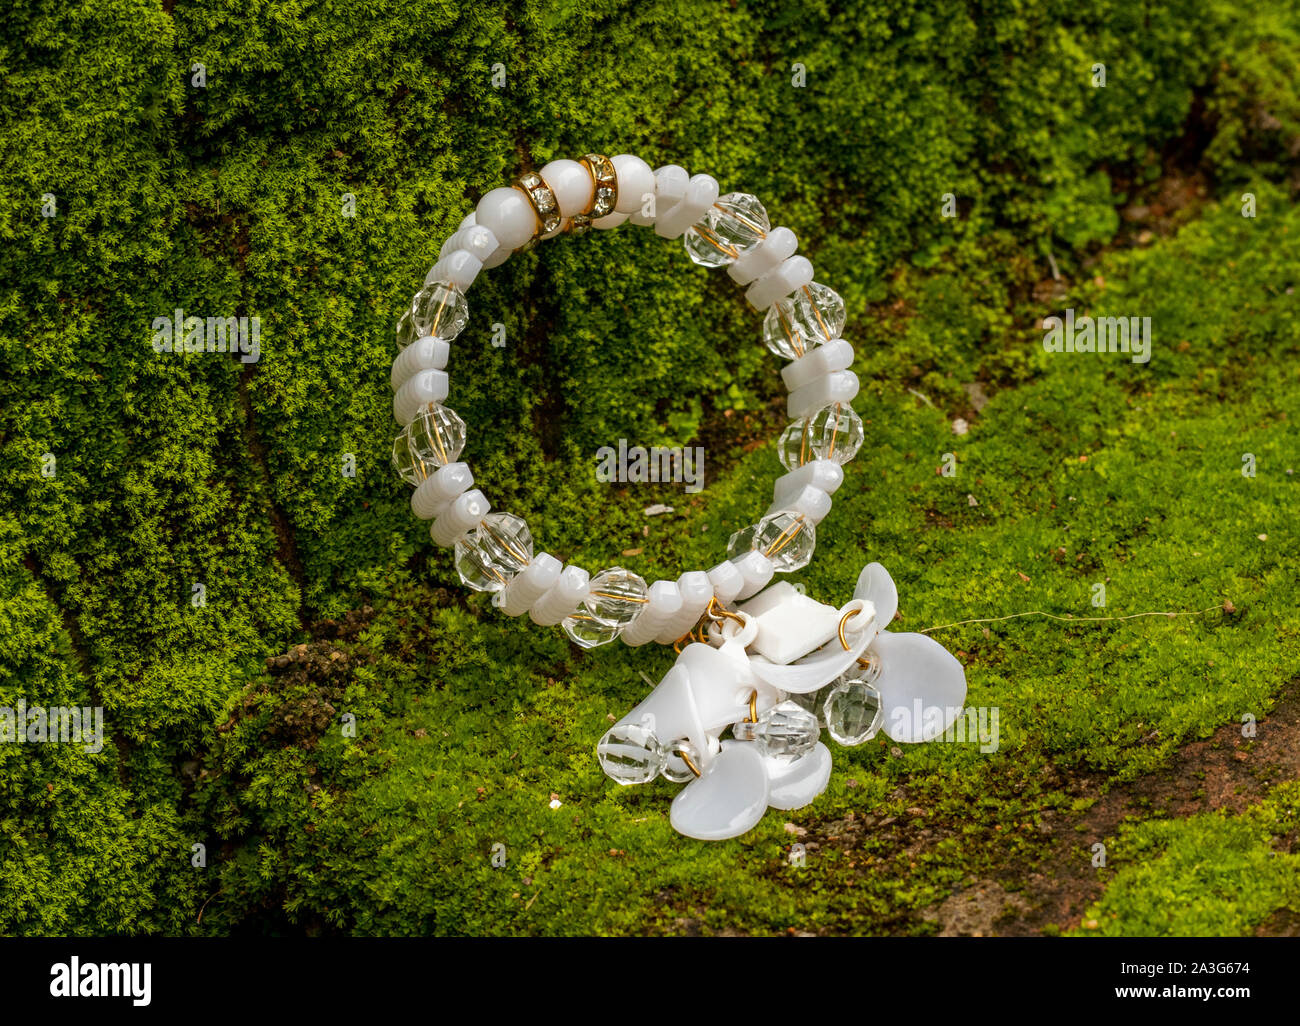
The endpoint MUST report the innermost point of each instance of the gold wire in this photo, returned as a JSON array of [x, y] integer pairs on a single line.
[[781, 541], [437, 437], [816, 312], [708, 236], [438, 316], [504, 543], [830, 451], [795, 338], [762, 233], [861, 660], [715, 612]]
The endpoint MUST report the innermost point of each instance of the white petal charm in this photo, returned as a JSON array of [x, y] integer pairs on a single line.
[[877, 587], [922, 686], [792, 785], [727, 800], [721, 685], [670, 711]]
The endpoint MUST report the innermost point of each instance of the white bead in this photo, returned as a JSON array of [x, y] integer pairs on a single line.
[[499, 256], [727, 582], [839, 387], [756, 569], [469, 219], [827, 475], [563, 597], [530, 584], [670, 186], [609, 221], [508, 215], [572, 185], [474, 239], [438, 490], [427, 353], [792, 273], [835, 355], [779, 245], [701, 193], [695, 590], [429, 386], [663, 602], [635, 180], [458, 268], [463, 513], [810, 500]]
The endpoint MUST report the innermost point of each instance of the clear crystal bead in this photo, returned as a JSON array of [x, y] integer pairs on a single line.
[[613, 601], [676, 768], [813, 315], [406, 333], [735, 224], [440, 310], [489, 555], [786, 731], [787, 539], [742, 541], [814, 701], [853, 711], [630, 754], [434, 438], [834, 432]]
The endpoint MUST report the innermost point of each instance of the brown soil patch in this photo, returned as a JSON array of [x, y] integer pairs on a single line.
[[1223, 771]]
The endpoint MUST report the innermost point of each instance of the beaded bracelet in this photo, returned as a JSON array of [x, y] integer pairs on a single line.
[[780, 677]]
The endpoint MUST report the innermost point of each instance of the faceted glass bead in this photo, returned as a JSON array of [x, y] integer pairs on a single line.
[[434, 438], [834, 432], [630, 754], [787, 539], [676, 769], [786, 731], [742, 541], [735, 224], [813, 315], [853, 711], [406, 333], [440, 310], [489, 555], [814, 701], [613, 601]]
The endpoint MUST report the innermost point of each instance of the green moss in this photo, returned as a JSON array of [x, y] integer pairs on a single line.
[[1212, 875], [176, 471]]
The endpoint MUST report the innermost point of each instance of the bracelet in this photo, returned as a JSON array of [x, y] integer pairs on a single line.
[[773, 670]]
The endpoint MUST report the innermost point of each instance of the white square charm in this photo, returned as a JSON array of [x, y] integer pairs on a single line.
[[790, 624]]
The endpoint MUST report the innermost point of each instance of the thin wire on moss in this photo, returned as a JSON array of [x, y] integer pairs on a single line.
[[1224, 607]]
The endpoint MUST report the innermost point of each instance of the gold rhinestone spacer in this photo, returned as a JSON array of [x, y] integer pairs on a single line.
[[604, 192], [543, 200]]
